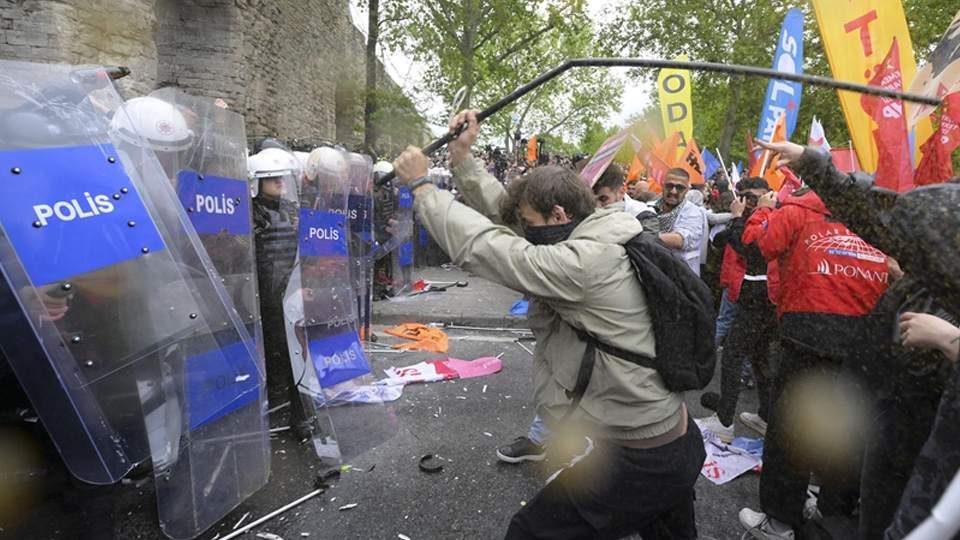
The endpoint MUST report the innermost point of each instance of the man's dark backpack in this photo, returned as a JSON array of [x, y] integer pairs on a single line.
[[684, 321]]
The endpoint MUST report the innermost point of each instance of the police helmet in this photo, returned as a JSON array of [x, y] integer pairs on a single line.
[[324, 160], [152, 122]]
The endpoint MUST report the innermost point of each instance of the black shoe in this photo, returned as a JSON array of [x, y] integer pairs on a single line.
[[522, 449], [710, 400]]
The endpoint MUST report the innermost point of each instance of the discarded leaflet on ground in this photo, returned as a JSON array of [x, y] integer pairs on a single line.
[[439, 370], [725, 462]]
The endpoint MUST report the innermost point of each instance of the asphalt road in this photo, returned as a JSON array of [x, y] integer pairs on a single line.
[[461, 422]]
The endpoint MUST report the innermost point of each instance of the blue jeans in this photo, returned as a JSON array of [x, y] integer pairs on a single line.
[[728, 313], [539, 432]]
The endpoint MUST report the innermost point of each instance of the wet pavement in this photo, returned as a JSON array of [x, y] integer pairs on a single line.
[[459, 422]]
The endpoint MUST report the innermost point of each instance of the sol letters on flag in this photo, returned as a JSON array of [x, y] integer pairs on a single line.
[[783, 97]]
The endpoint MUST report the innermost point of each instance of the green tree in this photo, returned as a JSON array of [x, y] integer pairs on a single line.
[[490, 47]]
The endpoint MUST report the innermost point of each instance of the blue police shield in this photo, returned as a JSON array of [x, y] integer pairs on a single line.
[[128, 346], [335, 379]]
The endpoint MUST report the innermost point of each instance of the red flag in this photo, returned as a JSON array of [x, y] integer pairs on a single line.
[[845, 159], [894, 165], [751, 156], [936, 167], [656, 170], [790, 184]]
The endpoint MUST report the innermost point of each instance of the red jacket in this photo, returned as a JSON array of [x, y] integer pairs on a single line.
[[823, 266], [731, 272]]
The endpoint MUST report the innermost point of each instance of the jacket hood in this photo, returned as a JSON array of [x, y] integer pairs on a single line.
[[806, 198], [609, 224], [925, 222]]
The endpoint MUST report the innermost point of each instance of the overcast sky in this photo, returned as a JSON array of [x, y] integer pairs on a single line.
[[408, 75]]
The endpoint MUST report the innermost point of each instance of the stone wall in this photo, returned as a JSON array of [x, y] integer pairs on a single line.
[[294, 68]]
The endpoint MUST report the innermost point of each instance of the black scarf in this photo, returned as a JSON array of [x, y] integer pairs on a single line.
[[544, 235]]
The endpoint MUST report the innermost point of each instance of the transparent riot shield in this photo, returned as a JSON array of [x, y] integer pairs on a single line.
[[226, 454], [403, 256], [336, 382], [360, 241], [113, 322]]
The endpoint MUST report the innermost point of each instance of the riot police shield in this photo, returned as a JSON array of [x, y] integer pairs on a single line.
[[334, 377], [403, 256], [113, 324], [227, 455], [360, 240]]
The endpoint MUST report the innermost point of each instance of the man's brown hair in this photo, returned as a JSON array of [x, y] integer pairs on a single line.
[[546, 187]]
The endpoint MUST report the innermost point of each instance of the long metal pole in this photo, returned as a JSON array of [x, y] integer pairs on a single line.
[[711, 67]]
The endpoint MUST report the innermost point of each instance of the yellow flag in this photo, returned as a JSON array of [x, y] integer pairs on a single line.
[[857, 35], [674, 90]]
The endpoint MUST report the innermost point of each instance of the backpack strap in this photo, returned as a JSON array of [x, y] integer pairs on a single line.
[[589, 359], [583, 379], [636, 358]]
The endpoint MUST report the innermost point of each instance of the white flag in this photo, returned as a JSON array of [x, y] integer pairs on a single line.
[[817, 137], [734, 176]]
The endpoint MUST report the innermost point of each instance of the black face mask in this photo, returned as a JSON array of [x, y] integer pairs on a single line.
[[545, 235]]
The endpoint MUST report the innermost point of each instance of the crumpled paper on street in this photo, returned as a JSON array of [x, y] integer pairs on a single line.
[[725, 462], [426, 338], [439, 370]]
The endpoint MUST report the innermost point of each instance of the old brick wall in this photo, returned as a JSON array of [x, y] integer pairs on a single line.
[[294, 68]]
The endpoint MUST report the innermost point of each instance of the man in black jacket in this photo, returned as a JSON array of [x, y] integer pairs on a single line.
[[915, 429], [754, 329]]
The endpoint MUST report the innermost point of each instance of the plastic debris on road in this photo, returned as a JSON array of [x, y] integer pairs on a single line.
[[439, 370], [725, 462], [426, 338], [519, 307]]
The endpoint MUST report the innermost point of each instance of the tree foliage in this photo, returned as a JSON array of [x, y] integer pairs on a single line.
[[745, 33], [491, 47]]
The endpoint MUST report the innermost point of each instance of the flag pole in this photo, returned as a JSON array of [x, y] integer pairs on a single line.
[[709, 67], [723, 167]]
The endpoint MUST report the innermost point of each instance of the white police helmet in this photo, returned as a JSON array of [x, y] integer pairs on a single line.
[[326, 161], [152, 122], [272, 162]]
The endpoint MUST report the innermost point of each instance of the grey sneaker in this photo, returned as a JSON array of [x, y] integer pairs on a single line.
[[522, 449], [754, 422], [759, 526]]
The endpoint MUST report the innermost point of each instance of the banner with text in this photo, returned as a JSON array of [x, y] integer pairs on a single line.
[[675, 108], [857, 36], [783, 97]]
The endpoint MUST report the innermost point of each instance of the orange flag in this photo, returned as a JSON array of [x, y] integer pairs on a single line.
[[667, 150], [692, 162], [636, 168], [532, 149], [766, 166]]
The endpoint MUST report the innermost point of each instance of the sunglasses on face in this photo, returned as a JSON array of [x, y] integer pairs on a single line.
[[679, 188]]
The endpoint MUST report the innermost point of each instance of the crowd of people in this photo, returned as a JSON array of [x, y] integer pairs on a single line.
[[837, 302]]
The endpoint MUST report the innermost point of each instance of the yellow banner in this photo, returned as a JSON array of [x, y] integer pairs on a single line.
[[857, 35], [674, 89]]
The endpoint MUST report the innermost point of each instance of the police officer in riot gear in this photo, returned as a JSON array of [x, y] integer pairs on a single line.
[[275, 174], [384, 212]]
